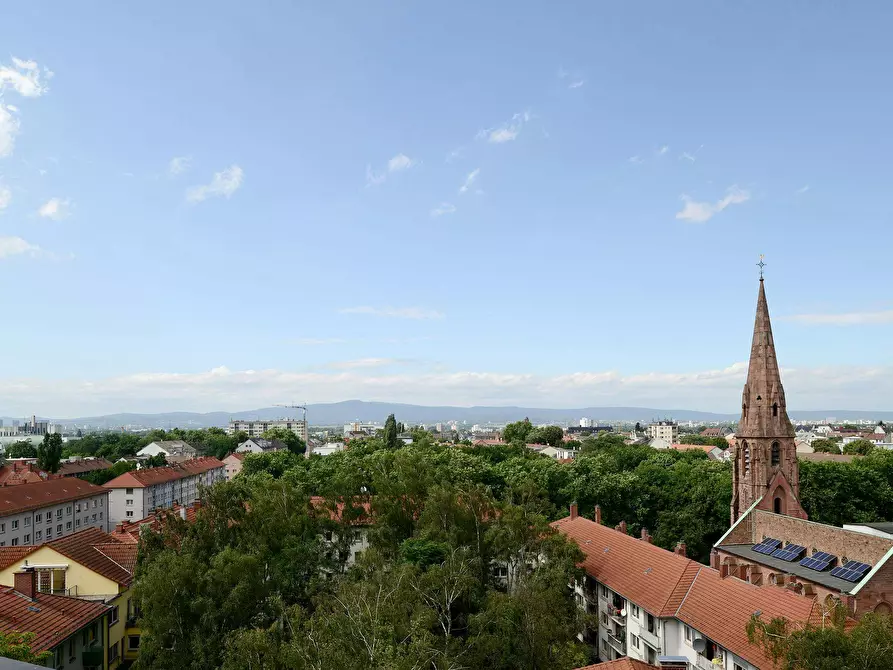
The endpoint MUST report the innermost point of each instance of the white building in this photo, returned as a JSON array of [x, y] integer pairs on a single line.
[[585, 422], [35, 513], [256, 428], [172, 449], [258, 445], [328, 448], [664, 430], [136, 493]]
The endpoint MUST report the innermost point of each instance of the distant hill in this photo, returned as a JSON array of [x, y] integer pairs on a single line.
[[332, 414]]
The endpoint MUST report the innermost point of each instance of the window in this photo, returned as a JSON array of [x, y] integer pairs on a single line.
[[77, 523], [133, 642], [15, 524], [634, 609], [2, 527], [687, 634], [51, 581], [776, 453], [77, 508], [129, 502], [59, 513], [777, 508], [604, 619], [27, 520], [2, 544], [59, 529], [59, 660], [129, 492], [113, 652], [603, 590], [94, 517], [15, 542], [38, 517], [71, 656], [94, 504], [746, 457], [68, 510], [38, 535], [129, 513], [68, 525], [49, 517], [634, 641], [113, 615], [101, 502], [49, 533], [100, 516], [26, 539]]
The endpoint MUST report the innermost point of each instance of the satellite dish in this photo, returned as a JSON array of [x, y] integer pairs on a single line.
[[699, 644], [623, 612]]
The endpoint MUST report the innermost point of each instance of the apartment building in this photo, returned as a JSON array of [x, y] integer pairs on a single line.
[[664, 430], [136, 493], [664, 609], [42, 511], [256, 428], [90, 565], [74, 631]]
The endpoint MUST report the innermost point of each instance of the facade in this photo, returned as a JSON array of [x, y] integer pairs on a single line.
[[90, 565], [330, 448], [233, 464], [136, 493], [42, 511], [258, 445], [257, 428], [668, 431], [74, 631]]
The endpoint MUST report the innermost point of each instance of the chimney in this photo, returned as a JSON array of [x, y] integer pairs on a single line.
[[621, 527], [119, 527], [645, 536], [26, 582], [573, 510], [197, 504], [714, 559], [183, 513], [723, 571], [680, 549], [598, 514]]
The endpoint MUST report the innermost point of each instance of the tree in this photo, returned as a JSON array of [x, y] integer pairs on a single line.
[[100, 477], [517, 432], [156, 461], [292, 442], [825, 446], [21, 449], [390, 432], [49, 453], [638, 427], [859, 447], [17, 646]]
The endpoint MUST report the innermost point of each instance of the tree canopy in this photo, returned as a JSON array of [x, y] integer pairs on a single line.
[[49, 453], [859, 447], [292, 442], [17, 646], [825, 446], [21, 449]]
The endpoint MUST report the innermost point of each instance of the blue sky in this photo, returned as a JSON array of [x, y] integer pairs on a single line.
[[224, 205]]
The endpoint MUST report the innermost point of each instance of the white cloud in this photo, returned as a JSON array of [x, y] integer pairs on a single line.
[[699, 212], [363, 363], [400, 162], [846, 319], [664, 149], [635, 160], [443, 208], [14, 246], [9, 129], [802, 190], [373, 178], [5, 196], [55, 209], [223, 184], [469, 180], [178, 165], [24, 77], [576, 84], [687, 156], [222, 389], [454, 154], [507, 131], [418, 313]]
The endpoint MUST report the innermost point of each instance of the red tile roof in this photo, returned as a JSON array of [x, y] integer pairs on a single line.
[[363, 519], [706, 448], [82, 465], [681, 588], [150, 476], [651, 577], [129, 531], [53, 619], [19, 472], [619, 664], [11, 555], [24, 497]]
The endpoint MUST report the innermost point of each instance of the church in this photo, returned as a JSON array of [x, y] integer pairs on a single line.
[[771, 540]]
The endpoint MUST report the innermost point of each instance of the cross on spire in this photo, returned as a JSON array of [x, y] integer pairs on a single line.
[[761, 265]]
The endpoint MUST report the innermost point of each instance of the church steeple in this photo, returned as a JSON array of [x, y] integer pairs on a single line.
[[765, 466]]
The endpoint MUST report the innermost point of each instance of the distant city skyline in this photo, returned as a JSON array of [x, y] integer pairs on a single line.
[[400, 203]]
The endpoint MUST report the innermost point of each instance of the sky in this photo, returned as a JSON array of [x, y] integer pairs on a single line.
[[225, 205]]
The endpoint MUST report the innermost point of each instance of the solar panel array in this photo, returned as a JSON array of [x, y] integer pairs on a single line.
[[820, 560], [767, 546], [852, 571], [790, 553]]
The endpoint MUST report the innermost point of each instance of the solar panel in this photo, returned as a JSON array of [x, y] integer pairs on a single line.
[[790, 553], [767, 546], [852, 571], [820, 560]]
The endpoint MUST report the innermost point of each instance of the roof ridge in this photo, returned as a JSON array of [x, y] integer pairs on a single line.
[[679, 581], [112, 559]]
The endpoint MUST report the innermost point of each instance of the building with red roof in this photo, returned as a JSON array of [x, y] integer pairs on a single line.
[[136, 493]]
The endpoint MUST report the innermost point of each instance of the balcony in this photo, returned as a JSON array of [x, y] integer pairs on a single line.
[[92, 658], [703, 663], [651, 639], [619, 644]]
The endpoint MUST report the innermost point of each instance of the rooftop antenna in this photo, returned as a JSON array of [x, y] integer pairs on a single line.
[[761, 265]]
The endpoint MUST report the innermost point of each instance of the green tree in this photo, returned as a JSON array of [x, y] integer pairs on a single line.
[[49, 453], [292, 442], [859, 447], [17, 646], [390, 432], [517, 432], [21, 449], [551, 435], [825, 446], [156, 461], [100, 477]]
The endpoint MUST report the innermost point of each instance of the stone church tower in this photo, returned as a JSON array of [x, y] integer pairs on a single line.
[[765, 461]]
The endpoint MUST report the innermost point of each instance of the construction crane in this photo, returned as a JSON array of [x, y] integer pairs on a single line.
[[303, 409]]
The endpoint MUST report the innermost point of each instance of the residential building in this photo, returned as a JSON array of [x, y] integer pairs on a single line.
[[42, 511], [90, 565], [330, 448], [174, 450], [667, 431], [258, 445], [136, 493], [582, 431], [585, 422], [233, 464], [74, 631], [256, 428], [75, 467], [714, 453]]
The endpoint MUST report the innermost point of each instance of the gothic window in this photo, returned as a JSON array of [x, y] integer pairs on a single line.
[[746, 456], [744, 411], [775, 409], [778, 506], [776, 453]]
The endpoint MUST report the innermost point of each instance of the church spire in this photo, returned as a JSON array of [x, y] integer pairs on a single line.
[[765, 467]]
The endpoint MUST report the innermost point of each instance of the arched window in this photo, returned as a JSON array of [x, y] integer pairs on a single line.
[[778, 509], [776, 453], [775, 409], [745, 455], [744, 411], [883, 608]]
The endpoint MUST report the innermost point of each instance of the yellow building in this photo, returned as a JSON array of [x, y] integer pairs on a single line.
[[89, 565]]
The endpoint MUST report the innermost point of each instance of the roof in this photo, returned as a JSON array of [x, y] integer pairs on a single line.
[[821, 457], [52, 619], [92, 548], [883, 526], [651, 577], [620, 664], [24, 497], [173, 445], [18, 472], [129, 531], [168, 473], [746, 551], [706, 448], [712, 432], [80, 466], [721, 609], [238, 455], [363, 519], [265, 444]]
